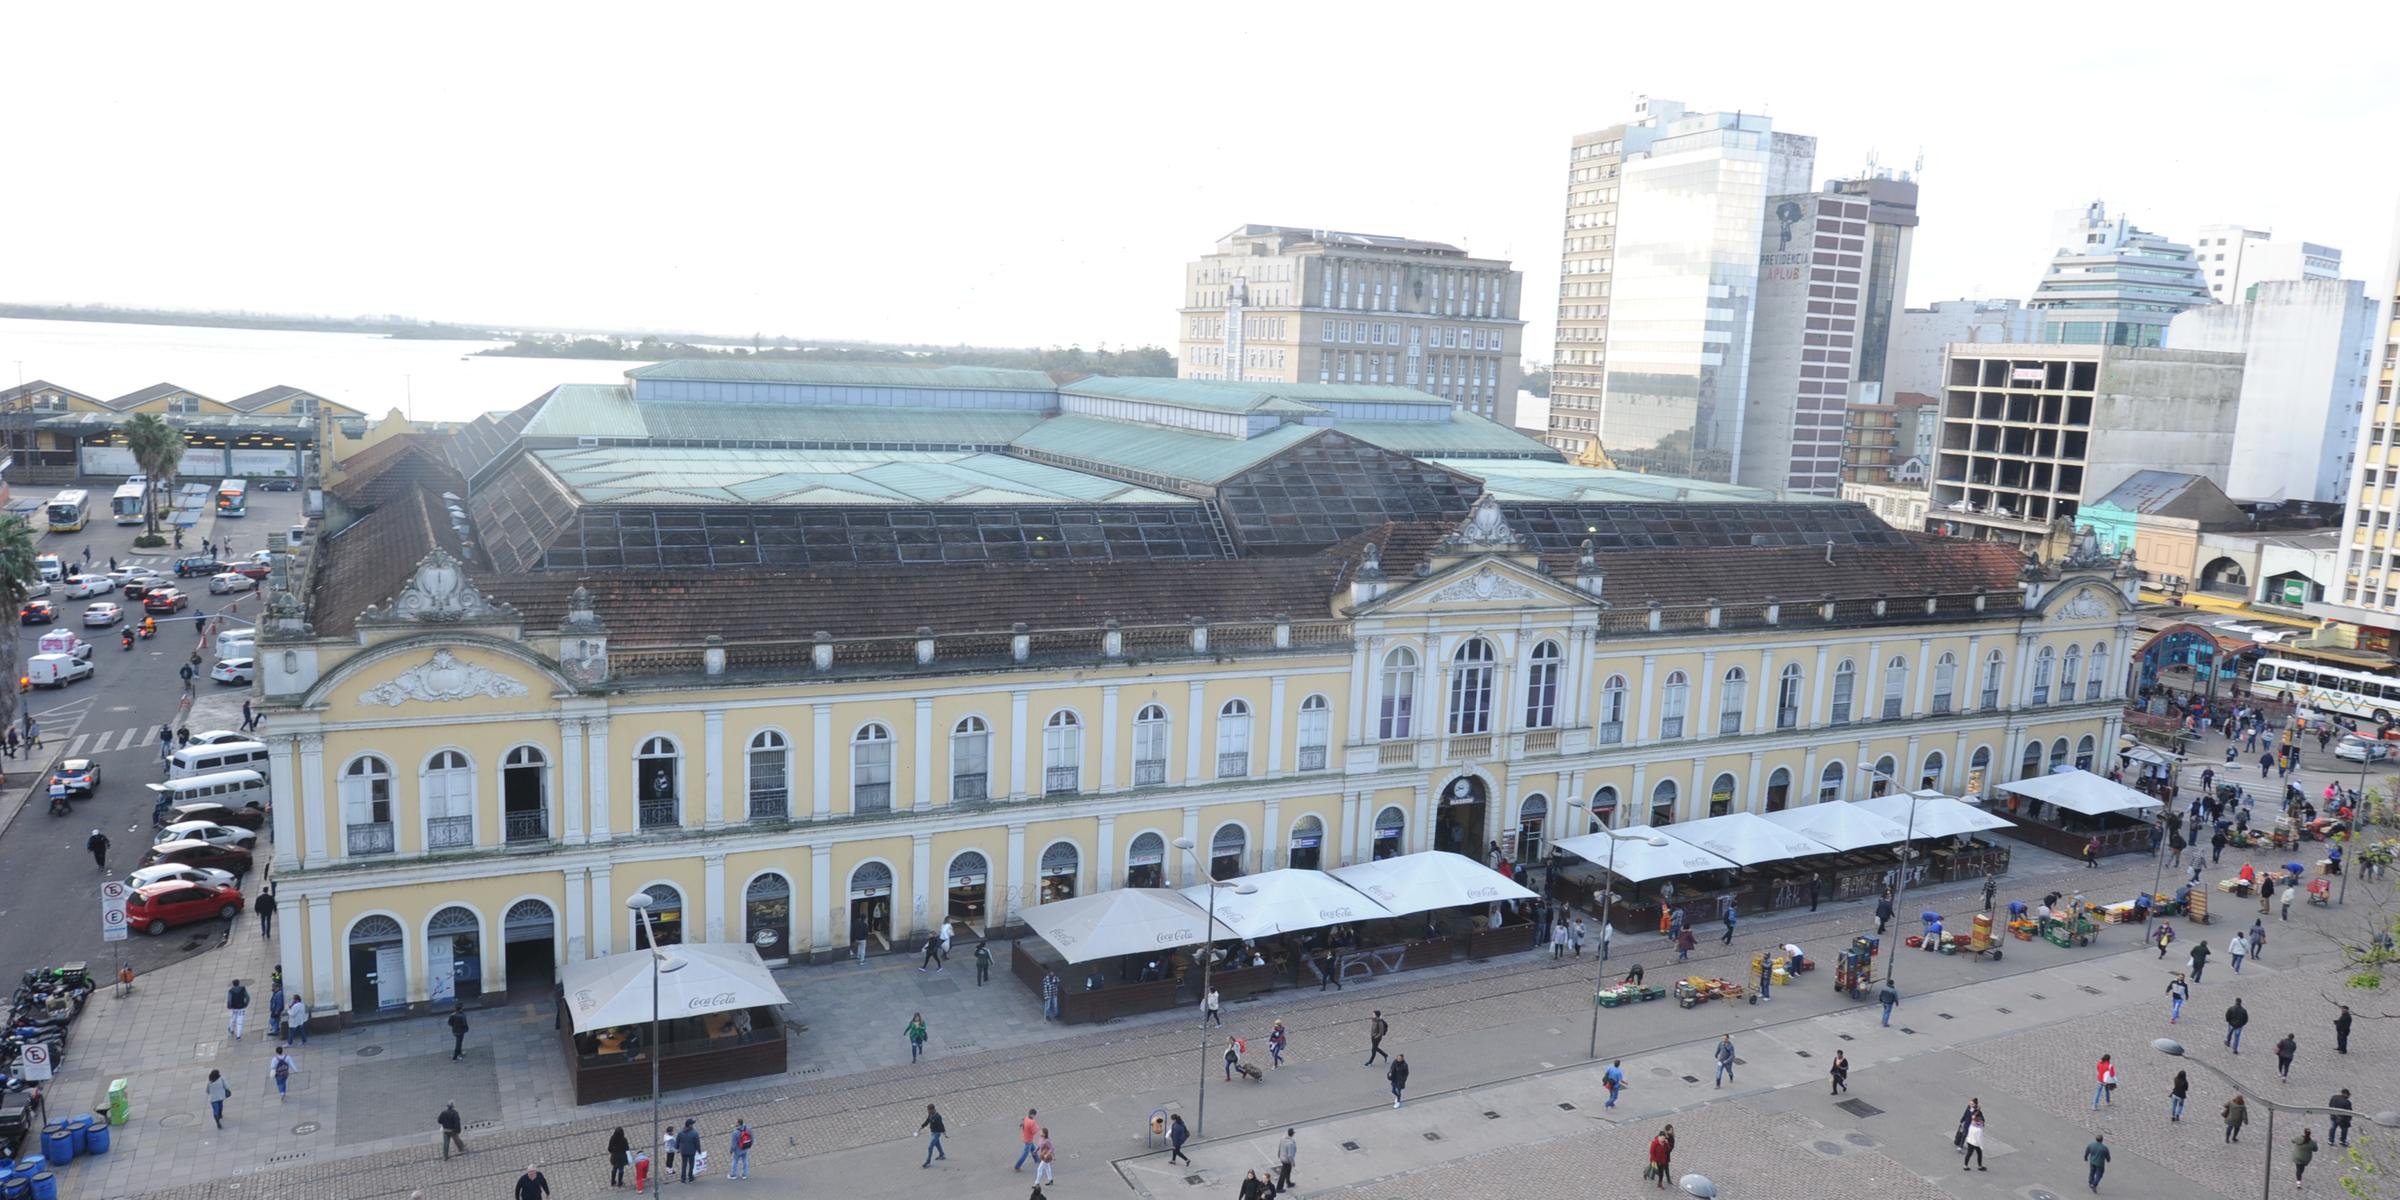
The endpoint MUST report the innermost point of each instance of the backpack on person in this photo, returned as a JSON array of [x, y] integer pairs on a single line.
[[744, 1141]]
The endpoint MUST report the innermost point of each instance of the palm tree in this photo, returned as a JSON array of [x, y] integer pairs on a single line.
[[158, 449], [17, 553]]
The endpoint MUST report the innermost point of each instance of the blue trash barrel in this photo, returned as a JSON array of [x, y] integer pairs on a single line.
[[79, 1130], [59, 1147], [45, 1187], [17, 1188], [33, 1164], [96, 1141]]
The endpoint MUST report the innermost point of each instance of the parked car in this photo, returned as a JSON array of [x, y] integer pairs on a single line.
[[140, 586], [143, 877], [2362, 750], [253, 571], [37, 612], [65, 641], [162, 906], [84, 587], [81, 775], [233, 670], [209, 832], [227, 582], [248, 816], [104, 613], [232, 859], [279, 483], [36, 587], [197, 564], [165, 600]]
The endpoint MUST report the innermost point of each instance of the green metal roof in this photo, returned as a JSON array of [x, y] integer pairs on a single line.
[[685, 421], [772, 370], [587, 410], [1155, 450], [692, 475], [1464, 435], [1539, 481], [1359, 393], [1207, 395]]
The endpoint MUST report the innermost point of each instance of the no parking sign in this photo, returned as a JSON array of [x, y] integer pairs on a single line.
[[112, 911], [34, 1061]]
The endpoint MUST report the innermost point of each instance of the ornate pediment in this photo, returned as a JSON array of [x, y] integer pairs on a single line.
[[439, 593], [442, 678], [2084, 605], [1485, 531], [1486, 584]]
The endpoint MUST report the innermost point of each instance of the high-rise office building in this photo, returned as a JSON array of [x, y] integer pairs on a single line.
[[2366, 591], [1920, 336], [2235, 256], [1279, 304], [2305, 344], [2111, 284]]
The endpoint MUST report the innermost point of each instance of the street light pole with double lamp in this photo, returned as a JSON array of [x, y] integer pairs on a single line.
[[640, 903], [1608, 895], [1208, 955]]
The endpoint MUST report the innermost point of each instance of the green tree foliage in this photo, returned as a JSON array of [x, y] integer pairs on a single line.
[[158, 449], [17, 573]]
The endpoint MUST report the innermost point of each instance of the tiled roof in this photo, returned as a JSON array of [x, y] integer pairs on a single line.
[[32, 387], [477, 443], [387, 470], [266, 396], [773, 370], [156, 391], [367, 562]]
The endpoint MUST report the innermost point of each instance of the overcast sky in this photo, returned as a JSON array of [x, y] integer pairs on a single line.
[[1038, 174]]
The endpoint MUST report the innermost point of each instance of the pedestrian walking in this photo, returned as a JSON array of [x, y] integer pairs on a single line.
[[620, 1156], [249, 720], [1883, 912], [532, 1185], [2177, 1093], [2091, 855], [295, 1020], [2166, 933], [1724, 1056], [265, 908], [1683, 945], [2105, 1087], [1050, 989], [1889, 997], [2235, 1018], [33, 733], [916, 1037], [2237, 948], [1614, 1080], [983, 961], [1560, 935], [1212, 1008], [2266, 893], [948, 932], [2097, 1155], [1277, 1039], [1727, 940], [1177, 1134], [687, 1147], [1029, 1131], [2285, 1051], [1234, 1050], [2304, 1149], [98, 845], [2178, 991], [933, 954], [2258, 941], [1044, 1153], [2199, 958], [275, 1007], [2341, 1032], [738, 1162], [932, 1125], [237, 1009], [1840, 1074], [188, 674], [1287, 1155], [218, 1094], [279, 1069], [2285, 904], [1377, 1027], [1974, 1138], [2237, 1114], [1991, 888], [2216, 847], [1660, 1155], [1329, 970], [450, 1123], [458, 1032], [1398, 1076], [2337, 1128]]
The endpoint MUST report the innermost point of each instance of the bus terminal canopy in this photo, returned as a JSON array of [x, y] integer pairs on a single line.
[[1636, 860], [1427, 880], [1123, 921], [694, 980], [2082, 792], [1934, 815], [1287, 901], [1746, 840]]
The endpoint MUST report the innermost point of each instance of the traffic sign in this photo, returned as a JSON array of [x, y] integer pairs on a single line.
[[34, 1061], [112, 911]]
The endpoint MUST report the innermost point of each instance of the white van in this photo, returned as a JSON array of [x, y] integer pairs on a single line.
[[49, 568], [224, 756], [58, 670], [233, 789], [65, 641], [237, 643]]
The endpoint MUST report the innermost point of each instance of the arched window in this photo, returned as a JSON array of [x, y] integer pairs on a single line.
[[2032, 765], [1612, 710], [1391, 833], [1887, 776], [1720, 795], [1471, 688], [1734, 701], [1226, 851], [2058, 754], [1062, 754], [1233, 740], [1316, 731], [525, 795], [1992, 669], [1307, 851], [1779, 789], [2043, 664], [446, 794], [1533, 817], [1674, 701], [1541, 687], [2095, 683], [1787, 697], [1146, 862], [1059, 866], [970, 889], [1150, 746], [970, 760], [1662, 803], [1895, 687], [1829, 784], [1398, 701], [1979, 772], [367, 805], [1604, 809], [770, 777], [1945, 682], [871, 769], [666, 917], [2084, 750], [2070, 675], [1931, 775], [1845, 687], [658, 770], [767, 915]]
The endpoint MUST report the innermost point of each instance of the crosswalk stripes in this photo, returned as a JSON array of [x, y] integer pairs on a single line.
[[88, 745]]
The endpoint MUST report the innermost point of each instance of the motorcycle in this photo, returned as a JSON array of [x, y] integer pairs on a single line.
[[60, 808], [128, 637]]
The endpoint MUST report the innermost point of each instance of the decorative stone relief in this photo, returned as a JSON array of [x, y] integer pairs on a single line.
[[2082, 606], [443, 678], [1485, 530], [439, 592], [1484, 585]]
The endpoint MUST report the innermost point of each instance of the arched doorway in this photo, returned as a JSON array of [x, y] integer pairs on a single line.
[[1226, 852], [1720, 795], [453, 956], [1662, 802], [378, 965], [1779, 789], [2032, 765], [2225, 577], [871, 904], [1532, 818], [529, 954], [2085, 748], [767, 915], [1060, 864], [1459, 826], [1391, 833], [1887, 776], [1931, 775], [666, 917], [970, 888], [1146, 862], [1308, 844]]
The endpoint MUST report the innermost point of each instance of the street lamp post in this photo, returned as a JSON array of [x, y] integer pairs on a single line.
[[1906, 851], [1608, 896], [1208, 956], [2266, 1183], [640, 903]]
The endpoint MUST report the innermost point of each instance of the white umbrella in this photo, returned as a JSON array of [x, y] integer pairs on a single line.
[[1839, 825], [1937, 816], [1746, 840], [1429, 879], [2083, 792], [1638, 861], [1286, 901], [694, 979], [1123, 921]]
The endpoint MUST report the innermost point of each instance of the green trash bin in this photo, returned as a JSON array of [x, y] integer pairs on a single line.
[[120, 1106]]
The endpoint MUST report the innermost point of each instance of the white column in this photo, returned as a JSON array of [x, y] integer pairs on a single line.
[[1860, 778], [712, 742], [1695, 798], [1102, 871], [1703, 722], [920, 880], [1968, 696], [821, 751], [1194, 734], [595, 782], [1108, 741], [712, 889], [1956, 767], [1925, 679], [570, 780], [1805, 787], [606, 904], [2024, 689], [1270, 823], [1867, 703], [291, 937], [1420, 832], [1275, 763], [1362, 662], [1504, 689], [281, 755], [575, 885], [820, 897], [1184, 873], [1913, 768], [322, 817], [1818, 684], [924, 748], [1753, 801], [1019, 736], [1766, 685], [1637, 805], [1641, 734], [1581, 648], [1353, 811], [325, 955], [1019, 883]]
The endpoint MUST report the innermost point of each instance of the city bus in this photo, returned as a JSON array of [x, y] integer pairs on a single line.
[[68, 510], [130, 503], [233, 498], [2367, 694]]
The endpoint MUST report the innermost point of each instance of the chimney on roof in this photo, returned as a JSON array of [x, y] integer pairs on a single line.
[[1829, 552]]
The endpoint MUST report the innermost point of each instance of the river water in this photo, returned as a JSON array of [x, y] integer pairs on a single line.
[[430, 380]]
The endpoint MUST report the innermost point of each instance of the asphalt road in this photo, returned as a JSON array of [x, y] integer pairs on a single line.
[[50, 908]]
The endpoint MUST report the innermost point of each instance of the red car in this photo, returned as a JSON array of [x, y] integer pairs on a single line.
[[160, 906], [199, 854], [164, 600]]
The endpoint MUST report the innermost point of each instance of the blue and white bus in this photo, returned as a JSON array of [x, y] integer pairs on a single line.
[[233, 498]]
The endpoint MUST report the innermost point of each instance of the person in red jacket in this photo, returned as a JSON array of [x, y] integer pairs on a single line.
[[1660, 1153]]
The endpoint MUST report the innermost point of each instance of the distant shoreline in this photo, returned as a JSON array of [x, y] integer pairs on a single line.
[[267, 321]]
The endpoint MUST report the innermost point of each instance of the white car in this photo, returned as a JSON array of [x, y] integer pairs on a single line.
[[178, 873], [2362, 750], [37, 588], [206, 831], [107, 612], [230, 581], [84, 587], [233, 670], [215, 736]]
